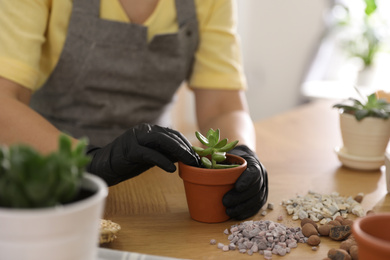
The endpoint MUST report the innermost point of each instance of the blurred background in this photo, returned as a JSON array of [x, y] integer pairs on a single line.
[[303, 50]]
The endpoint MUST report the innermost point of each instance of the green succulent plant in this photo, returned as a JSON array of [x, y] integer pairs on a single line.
[[371, 107], [29, 179], [215, 153]]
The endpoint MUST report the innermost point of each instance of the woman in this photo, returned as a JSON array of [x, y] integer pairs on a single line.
[[108, 69]]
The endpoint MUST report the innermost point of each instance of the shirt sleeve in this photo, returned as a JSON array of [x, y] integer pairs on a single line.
[[218, 62], [22, 30]]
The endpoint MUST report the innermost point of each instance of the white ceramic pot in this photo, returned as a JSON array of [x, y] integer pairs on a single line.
[[366, 138], [68, 232], [387, 164]]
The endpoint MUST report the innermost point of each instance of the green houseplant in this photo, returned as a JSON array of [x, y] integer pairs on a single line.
[[365, 130], [216, 149], [205, 186], [363, 40], [360, 33], [49, 207]]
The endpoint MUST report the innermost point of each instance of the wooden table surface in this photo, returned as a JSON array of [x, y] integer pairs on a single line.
[[296, 147]]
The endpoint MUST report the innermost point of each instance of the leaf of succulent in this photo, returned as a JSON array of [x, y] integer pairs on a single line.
[[218, 157], [202, 152], [221, 143], [210, 133], [360, 114], [225, 166], [202, 138], [228, 146], [206, 162], [213, 138]]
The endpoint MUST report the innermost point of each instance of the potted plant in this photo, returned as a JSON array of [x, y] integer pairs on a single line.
[[205, 186], [49, 208], [365, 130]]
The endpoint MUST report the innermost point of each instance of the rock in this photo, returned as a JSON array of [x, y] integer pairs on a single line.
[[308, 229], [353, 252], [340, 232], [324, 230], [313, 240], [347, 222], [338, 254]]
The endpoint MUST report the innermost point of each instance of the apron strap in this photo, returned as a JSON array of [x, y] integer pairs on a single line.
[[87, 6], [185, 9]]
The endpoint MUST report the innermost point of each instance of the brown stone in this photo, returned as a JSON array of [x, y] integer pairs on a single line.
[[340, 232], [346, 244], [314, 240], [308, 230], [338, 254], [359, 198], [353, 252], [324, 230], [339, 219], [334, 223], [347, 222], [308, 220]]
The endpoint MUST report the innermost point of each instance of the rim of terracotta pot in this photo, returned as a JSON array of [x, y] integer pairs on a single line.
[[213, 176], [372, 241]]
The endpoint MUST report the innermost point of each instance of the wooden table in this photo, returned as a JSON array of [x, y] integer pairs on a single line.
[[297, 149]]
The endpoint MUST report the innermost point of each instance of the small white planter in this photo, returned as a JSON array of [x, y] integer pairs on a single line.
[[68, 232], [366, 138]]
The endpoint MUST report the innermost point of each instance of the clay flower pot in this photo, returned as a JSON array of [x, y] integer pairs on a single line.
[[205, 189], [372, 236]]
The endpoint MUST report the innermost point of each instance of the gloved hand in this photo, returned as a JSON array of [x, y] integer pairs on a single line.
[[250, 191], [139, 149]]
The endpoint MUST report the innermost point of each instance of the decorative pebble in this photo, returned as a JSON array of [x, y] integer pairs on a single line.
[[340, 232], [353, 251], [270, 206], [313, 240], [339, 254], [323, 208], [324, 230], [308, 230], [264, 236], [213, 242]]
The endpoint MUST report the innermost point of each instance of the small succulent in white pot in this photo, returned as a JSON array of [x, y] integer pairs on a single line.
[[365, 126], [49, 207]]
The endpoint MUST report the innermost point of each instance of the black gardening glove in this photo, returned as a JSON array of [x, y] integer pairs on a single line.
[[250, 191], [139, 149]]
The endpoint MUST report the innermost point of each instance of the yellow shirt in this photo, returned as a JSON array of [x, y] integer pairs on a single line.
[[33, 32]]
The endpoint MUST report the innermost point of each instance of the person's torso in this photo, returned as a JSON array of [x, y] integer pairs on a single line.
[[110, 77]]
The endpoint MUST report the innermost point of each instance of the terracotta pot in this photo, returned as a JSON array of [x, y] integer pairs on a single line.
[[366, 138], [372, 234], [205, 189]]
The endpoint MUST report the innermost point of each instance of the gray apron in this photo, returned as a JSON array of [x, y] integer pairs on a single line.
[[109, 78]]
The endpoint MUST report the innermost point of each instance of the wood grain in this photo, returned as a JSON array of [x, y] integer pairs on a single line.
[[296, 147]]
